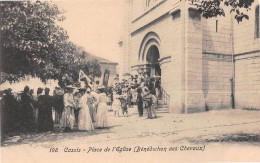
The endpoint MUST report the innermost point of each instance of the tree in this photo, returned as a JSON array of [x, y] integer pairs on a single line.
[[71, 63], [30, 39], [213, 8], [33, 44], [93, 69]]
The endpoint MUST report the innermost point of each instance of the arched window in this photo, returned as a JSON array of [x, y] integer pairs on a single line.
[[257, 22]]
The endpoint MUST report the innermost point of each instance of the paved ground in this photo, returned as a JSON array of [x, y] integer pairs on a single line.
[[225, 135]]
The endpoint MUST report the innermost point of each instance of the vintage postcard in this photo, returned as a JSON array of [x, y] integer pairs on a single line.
[[130, 81]]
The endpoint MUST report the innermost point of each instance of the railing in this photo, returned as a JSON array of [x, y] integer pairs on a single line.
[[165, 97]]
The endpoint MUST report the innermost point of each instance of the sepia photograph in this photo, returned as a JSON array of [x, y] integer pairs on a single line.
[[129, 81]]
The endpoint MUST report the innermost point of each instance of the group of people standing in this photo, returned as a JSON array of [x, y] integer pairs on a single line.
[[146, 98], [26, 112], [87, 109], [74, 108], [144, 90], [84, 108]]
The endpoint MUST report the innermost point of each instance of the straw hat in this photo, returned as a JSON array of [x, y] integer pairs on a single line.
[[70, 87], [101, 87], [82, 89], [88, 89]]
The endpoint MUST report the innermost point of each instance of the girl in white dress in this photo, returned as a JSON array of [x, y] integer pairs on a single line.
[[85, 121], [102, 110], [116, 105]]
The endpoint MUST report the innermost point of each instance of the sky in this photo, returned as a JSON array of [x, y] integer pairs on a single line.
[[95, 25]]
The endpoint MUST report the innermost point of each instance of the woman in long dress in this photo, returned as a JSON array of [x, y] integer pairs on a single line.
[[84, 120], [68, 116], [102, 110], [27, 110], [93, 104]]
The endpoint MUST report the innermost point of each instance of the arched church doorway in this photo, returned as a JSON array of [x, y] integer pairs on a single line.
[[152, 59]]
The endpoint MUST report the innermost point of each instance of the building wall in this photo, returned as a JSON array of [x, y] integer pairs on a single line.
[[216, 75], [168, 28], [196, 56], [247, 63], [217, 35], [244, 34], [247, 81], [194, 100], [217, 61], [126, 41]]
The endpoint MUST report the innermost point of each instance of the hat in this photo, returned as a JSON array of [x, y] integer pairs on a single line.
[[101, 87], [70, 87], [82, 89], [59, 92], [88, 89], [146, 89]]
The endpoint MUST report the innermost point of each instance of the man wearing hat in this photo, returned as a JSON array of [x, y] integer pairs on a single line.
[[58, 103], [151, 103], [45, 111]]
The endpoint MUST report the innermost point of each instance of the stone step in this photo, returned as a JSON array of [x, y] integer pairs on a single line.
[[161, 103], [162, 106]]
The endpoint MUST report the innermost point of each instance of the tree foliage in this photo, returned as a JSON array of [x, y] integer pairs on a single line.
[[33, 44], [213, 8]]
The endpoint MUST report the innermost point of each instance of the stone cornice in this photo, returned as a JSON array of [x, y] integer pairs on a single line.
[[237, 54], [147, 12], [165, 15], [157, 20], [109, 63]]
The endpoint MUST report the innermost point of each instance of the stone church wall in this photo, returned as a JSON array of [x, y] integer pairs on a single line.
[[217, 61], [168, 28], [247, 81], [196, 57], [247, 63]]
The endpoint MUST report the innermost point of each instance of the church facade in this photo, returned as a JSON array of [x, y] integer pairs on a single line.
[[203, 63]]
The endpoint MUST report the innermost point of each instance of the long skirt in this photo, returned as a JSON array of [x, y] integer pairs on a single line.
[[153, 110], [45, 122], [85, 121], [92, 111], [101, 117], [68, 117], [140, 108], [36, 113], [27, 117]]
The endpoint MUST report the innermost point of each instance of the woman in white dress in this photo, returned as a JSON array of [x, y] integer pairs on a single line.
[[68, 116], [85, 121], [102, 110]]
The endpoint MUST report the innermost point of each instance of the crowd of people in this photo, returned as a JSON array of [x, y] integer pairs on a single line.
[[78, 108]]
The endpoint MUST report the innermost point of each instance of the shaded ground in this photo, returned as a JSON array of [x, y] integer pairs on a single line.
[[219, 131]]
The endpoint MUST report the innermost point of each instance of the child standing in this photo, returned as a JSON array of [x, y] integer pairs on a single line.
[[116, 105], [124, 106]]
